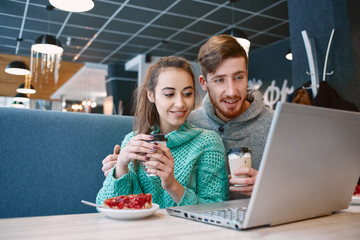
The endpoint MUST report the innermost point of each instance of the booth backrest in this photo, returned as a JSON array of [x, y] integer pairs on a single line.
[[50, 161]]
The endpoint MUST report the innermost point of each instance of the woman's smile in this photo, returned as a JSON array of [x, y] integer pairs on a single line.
[[178, 113], [174, 98]]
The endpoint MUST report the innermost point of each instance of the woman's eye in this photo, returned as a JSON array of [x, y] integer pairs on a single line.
[[168, 94], [187, 94]]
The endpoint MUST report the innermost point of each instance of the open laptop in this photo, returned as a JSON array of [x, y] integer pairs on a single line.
[[310, 167]]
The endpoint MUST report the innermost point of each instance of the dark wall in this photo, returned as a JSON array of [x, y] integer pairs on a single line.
[[269, 63], [121, 84], [318, 18], [353, 9]]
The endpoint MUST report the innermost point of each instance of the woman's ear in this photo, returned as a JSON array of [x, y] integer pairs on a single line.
[[150, 96]]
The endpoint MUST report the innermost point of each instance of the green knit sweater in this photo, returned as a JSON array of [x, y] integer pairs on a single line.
[[199, 167]]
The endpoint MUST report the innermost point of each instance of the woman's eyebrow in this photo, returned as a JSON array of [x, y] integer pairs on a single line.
[[168, 88], [189, 87]]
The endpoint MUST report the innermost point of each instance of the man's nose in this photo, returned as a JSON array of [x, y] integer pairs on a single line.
[[231, 88]]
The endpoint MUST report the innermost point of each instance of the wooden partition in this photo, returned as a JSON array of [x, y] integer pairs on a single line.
[[9, 82]]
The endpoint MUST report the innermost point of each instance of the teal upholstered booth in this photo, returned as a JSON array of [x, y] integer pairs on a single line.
[[50, 161]]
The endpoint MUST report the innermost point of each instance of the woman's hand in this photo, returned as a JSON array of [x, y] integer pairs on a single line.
[[162, 164], [137, 148]]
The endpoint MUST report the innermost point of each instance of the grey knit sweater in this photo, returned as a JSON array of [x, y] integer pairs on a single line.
[[250, 129]]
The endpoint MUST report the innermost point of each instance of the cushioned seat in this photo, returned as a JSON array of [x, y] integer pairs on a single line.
[[50, 161]]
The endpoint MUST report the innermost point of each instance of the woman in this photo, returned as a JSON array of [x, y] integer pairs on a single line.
[[192, 169]]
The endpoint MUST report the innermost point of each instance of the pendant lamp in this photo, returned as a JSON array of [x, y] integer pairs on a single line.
[[239, 35], [16, 104], [73, 6], [17, 68], [26, 90], [46, 53], [26, 87], [47, 44], [20, 97], [241, 38], [289, 55]]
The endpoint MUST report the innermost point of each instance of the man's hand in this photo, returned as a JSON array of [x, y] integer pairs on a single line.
[[109, 162], [249, 182]]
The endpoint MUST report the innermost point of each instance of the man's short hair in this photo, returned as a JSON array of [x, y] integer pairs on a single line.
[[217, 49]]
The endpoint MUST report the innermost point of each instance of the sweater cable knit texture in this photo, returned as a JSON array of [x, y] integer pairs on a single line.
[[199, 167]]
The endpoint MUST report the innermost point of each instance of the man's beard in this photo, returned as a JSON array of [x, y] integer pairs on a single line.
[[227, 114]]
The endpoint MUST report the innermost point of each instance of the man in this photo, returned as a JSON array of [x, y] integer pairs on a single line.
[[237, 114]]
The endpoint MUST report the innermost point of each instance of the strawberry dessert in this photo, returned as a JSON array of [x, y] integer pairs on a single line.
[[133, 201], [357, 191]]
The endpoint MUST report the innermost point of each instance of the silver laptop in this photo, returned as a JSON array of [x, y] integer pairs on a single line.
[[310, 167]]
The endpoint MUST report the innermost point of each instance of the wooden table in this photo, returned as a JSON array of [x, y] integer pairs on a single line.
[[342, 225]]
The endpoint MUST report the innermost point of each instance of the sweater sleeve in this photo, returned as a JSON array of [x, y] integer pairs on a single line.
[[127, 184], [211, 175]]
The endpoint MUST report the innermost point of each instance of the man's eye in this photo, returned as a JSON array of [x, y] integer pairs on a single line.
[[218, 80], [239, 77]]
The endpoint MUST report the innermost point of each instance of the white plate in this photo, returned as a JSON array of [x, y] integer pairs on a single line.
[[355, 200], [129, 214]]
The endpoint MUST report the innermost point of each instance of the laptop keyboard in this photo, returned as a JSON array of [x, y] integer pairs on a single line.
[[237, 213]]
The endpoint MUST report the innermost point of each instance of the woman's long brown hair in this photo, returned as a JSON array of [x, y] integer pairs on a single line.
[[146, 114]]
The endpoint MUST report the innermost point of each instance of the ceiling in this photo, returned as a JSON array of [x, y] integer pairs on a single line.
[[117, 31]]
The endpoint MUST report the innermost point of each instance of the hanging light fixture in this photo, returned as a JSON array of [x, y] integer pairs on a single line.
[[26, 87], [289, 55], [20, 97], [46, 53], [26, 90], [47, 44], [16, 104], [241, 38], [17, 68], [239, 35], [73, 6]]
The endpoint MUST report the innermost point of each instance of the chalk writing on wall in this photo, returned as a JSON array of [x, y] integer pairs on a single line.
[[273, 94]]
